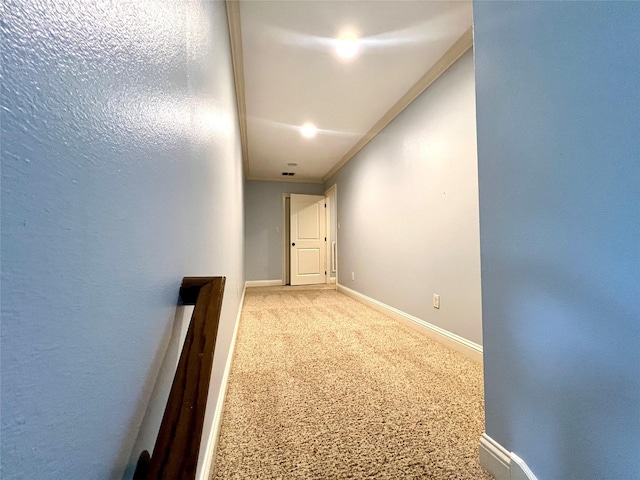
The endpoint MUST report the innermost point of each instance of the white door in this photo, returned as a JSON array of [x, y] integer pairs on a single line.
[[308, 240]]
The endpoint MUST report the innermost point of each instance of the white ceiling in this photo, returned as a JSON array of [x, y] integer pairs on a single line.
[[291, 74]]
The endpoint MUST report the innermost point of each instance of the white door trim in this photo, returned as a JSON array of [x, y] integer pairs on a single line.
[[285, 239], [331, 195]]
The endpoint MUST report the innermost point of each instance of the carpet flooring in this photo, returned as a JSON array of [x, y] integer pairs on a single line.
[[323, 387]]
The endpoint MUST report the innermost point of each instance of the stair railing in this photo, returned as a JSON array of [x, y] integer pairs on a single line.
[[175, 454]]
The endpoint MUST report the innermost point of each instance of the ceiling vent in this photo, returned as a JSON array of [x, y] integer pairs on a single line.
[[288, 174]]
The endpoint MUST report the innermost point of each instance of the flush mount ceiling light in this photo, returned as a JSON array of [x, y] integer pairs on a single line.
[[308, 130], [347, 45]]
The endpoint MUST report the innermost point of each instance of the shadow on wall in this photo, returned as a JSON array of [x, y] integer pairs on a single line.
[[165, 371]]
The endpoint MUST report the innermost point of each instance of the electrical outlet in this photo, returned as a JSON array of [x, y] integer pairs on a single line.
[[353, 276], [436, 300]]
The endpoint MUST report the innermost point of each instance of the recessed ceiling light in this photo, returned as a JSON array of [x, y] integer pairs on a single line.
[[347, 45], [308, 130]]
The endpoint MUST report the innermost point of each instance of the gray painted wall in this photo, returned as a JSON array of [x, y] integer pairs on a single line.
[[121, 173], [408, 209], [559, 171], [263, 226]]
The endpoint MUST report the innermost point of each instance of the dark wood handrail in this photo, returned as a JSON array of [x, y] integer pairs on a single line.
[[175, 455]]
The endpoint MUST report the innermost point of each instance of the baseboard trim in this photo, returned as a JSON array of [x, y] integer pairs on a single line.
[[519, 469], [501, 463], [262, 283], [212, 441], [494, 458], [469, 349]]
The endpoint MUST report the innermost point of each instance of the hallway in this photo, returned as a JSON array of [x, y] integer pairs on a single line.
[[322, 386], [509, 188]]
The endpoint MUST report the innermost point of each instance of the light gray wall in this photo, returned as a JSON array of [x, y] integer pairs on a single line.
[[116, 183], [559, 161], [263, 225], [408, 209]]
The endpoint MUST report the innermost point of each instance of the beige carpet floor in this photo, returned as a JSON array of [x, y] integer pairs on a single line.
[[323, 387]]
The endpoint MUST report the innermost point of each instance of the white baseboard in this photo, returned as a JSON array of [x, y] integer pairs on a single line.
[[263, 283], [494, 458], [212, 441], [469, 349], [519, 469], [501, 463]]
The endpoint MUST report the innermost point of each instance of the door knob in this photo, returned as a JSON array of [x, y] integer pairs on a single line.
[[293, 244]]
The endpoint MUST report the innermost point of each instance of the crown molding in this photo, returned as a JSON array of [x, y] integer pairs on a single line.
[[235, 37], [464, 43]]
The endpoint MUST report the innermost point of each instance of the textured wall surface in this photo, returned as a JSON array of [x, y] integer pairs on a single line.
[[559, 170], [263, 214], [408, 209], [121, 173]]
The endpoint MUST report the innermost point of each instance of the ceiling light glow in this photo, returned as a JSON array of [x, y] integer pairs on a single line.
[[347, 45], [308, 130]]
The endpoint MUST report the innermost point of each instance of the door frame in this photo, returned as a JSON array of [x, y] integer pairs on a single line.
[[330, 198], [286, 239], [332, 191]]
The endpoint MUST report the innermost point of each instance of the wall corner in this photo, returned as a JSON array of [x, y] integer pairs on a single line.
[[501, 463]]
